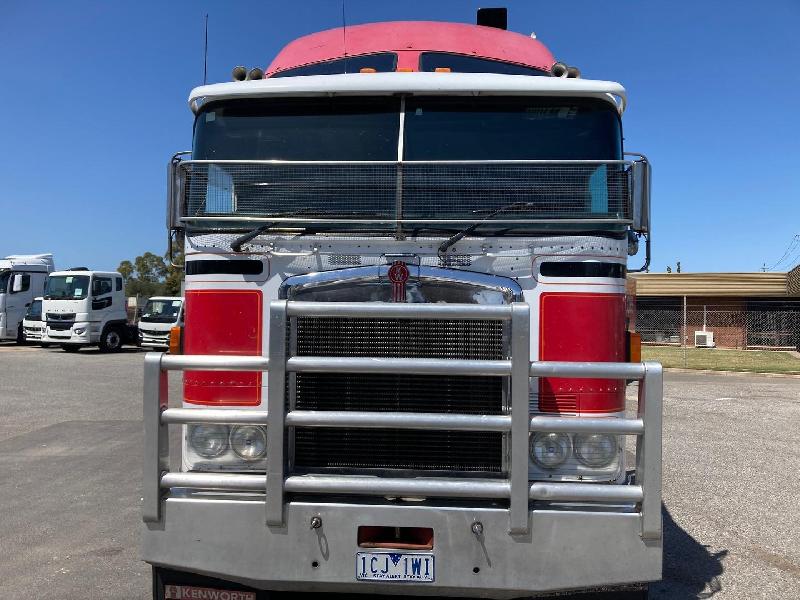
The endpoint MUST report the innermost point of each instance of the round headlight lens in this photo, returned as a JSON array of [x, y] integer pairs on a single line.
[[249, 442], [596, 449], [208, 440], [549, 450]]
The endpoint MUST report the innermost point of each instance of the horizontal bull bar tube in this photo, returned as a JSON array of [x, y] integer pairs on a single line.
[[398, 420], [588, 492], [214, 415], [588, 425], [399, 310], [374, 486], [237, 482], [402, 366], [213, 362], [588, 370]]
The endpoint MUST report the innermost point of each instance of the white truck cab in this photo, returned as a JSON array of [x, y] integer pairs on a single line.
[[33, 324], [84, 308], [161, 313], [22, 278]]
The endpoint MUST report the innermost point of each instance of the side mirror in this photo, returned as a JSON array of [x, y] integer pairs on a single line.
[[640, 180], [16, 283]]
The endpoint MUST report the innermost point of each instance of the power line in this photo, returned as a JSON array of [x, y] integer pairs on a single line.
[[792, 251]]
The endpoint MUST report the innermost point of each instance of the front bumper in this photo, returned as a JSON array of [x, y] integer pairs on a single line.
[[540, 536], [68, 336], [565, 548]]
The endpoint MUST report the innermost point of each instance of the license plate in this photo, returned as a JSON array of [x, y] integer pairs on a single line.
[[394, 566]]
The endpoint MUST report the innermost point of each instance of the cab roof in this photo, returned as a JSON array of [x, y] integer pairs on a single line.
[[89, 273], [408, 39]]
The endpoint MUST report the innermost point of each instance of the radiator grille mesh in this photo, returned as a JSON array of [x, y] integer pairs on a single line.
[[370, 450], [400, 338]]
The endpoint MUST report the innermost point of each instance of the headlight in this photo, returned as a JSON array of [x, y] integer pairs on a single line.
[[549, 450], [249, 442], [208, 441], [79, 330], [596, 449]]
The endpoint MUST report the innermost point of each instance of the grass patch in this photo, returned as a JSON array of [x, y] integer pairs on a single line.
[[716, 359]]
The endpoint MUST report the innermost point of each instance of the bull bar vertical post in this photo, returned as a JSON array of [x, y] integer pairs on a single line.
[[520, 417], [276, 412], [648, 449], [156, 440]]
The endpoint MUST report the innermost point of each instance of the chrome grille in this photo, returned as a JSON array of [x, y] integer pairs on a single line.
[[369, 450], [400, 338]]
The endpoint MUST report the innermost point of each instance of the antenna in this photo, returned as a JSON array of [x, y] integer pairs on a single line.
[[344, 36], [205, 55]]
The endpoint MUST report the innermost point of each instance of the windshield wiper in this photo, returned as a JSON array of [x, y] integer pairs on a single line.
[[236, 245], [445, 245]]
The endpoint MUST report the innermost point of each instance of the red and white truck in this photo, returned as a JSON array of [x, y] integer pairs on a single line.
[[405, 347]]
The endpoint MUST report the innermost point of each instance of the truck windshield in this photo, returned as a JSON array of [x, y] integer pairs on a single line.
[[350, 134], [67, 287], [511, 129], [34, 311], [4, 277], [341, 129], [161, 311]]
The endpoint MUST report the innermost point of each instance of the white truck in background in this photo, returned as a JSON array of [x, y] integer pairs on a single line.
[[33, 324], [86, 308], [22, 278], [160, 315]]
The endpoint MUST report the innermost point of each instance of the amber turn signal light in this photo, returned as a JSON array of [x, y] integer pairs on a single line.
[[175, 335], [634, 347]]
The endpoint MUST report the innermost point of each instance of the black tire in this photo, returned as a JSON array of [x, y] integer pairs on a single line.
[[70, 347], [21, 336], [111, 339]]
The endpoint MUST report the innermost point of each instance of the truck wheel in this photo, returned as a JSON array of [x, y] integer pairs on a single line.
[[111, 340], [70, 347], [21, 335]]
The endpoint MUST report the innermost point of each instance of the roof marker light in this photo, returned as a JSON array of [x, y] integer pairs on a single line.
[[239, 73], [559, 70], [404, 70], [442, 69], [367, 70], [255, 73]]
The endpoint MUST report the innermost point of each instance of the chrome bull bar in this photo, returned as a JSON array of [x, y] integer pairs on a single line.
[[516, 488]]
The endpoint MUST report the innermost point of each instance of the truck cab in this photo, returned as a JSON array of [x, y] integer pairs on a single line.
[[86, 308], [404, 351], [22, 278], [160, 315], [33, 325]]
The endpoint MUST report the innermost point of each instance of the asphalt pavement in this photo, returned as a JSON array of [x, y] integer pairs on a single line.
[[70, 466]]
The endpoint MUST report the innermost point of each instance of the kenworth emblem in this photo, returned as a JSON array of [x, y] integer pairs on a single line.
[[398, 275]]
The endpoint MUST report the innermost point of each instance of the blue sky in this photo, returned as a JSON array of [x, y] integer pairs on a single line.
[[94, 98]]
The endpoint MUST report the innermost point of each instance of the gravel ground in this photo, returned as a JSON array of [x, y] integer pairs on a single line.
[[70, 454]]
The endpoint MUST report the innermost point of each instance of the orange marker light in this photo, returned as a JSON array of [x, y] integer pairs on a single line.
[[175, 340], [367, 70], [404, 69], [634, 347], [442, 69]]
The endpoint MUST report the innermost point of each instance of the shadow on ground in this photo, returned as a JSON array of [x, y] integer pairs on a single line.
[[690, 569]]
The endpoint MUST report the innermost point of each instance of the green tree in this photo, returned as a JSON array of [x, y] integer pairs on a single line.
[[150, 274], [126, 269], [175, 272]]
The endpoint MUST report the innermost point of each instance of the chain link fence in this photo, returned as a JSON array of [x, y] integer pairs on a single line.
[[743, 329]]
